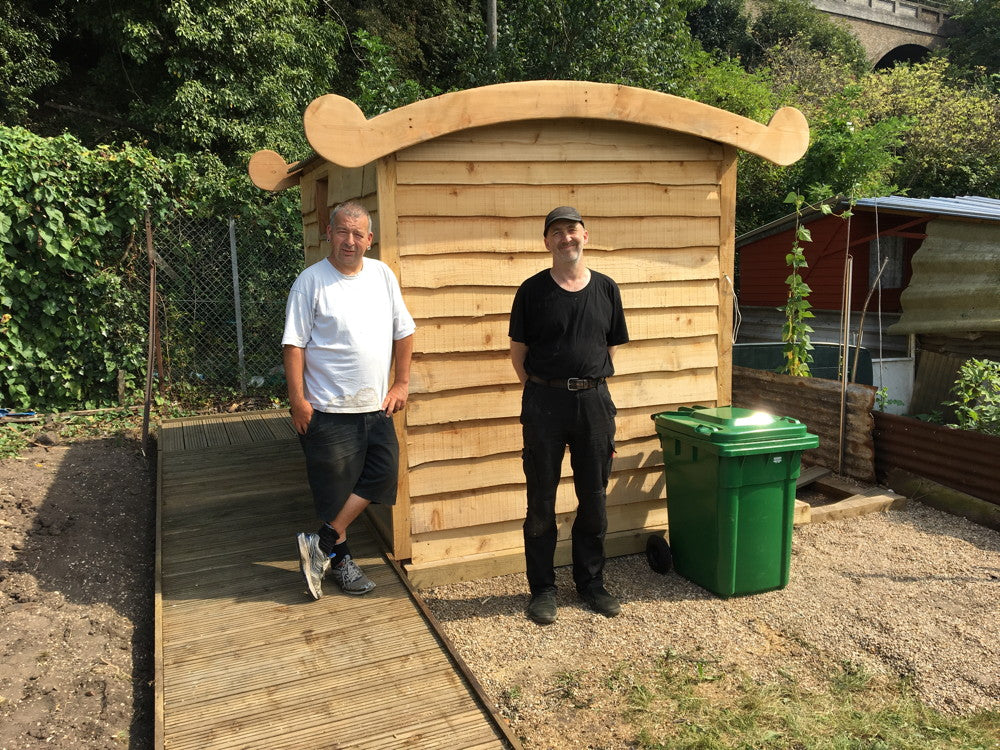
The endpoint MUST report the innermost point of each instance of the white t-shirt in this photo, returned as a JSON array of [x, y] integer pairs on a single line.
[[347, 325]]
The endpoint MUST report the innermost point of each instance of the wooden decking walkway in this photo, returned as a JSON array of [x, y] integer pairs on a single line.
[[245, 659]]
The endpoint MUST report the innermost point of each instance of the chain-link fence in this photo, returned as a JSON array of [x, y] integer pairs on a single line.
[[221, 287]]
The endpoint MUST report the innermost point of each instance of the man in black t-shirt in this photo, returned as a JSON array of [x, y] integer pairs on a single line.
[[565, 325]]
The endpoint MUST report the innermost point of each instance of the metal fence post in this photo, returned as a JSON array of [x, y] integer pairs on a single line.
[[236, 304]]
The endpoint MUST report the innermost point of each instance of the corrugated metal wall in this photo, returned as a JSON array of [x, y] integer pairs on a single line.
[[956, 281], [963, 460], [816, 403]]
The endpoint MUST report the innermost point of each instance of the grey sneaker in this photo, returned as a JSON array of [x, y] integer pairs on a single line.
[[350, 578], [313, 563]]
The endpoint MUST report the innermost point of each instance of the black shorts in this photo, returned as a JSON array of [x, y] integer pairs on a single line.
[[350, 454]]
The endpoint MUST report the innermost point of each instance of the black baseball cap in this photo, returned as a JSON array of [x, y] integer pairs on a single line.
[[562, 212]]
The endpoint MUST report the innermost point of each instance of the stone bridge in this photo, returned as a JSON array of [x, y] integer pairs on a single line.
[[891, 31]]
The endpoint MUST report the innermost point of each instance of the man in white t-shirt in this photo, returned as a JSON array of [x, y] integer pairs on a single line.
[[345, 324]]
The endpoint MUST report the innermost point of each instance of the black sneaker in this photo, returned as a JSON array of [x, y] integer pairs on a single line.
[[601, 601], [542, 608]]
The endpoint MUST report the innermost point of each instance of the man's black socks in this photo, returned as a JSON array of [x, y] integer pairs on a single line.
[[328, 543]]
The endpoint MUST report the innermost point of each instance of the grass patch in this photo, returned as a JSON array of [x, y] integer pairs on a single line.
[[689, 703]]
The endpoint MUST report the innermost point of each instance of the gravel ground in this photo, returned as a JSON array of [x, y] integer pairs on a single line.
[[912, 592]]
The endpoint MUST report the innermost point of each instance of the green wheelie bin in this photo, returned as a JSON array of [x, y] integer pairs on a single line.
[[730, 477]]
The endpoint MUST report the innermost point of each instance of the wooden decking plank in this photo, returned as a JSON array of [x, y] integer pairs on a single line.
[[286, 516], [171, 437], [343, 715], [217, 684], [215, 430], [461, 731], [195, 437], [253, 462], [280, 425], [242, 689], [255, 425], [253, 689], [227, 573], [276, 445], [244, 657], [187, 617], [239, 433], [248, 634]]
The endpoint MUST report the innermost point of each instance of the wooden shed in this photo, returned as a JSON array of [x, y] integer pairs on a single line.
[[458, 186]]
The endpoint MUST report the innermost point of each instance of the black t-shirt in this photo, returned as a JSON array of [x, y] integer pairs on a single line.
[[568, 333]]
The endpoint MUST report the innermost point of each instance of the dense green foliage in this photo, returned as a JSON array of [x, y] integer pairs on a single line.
[[724, 27], [976, 43], [227, 76], [26, 66], [73, 269], [950, 145], [977, 397], [799, 21], [642, 43], [69, 218], [199, 85]]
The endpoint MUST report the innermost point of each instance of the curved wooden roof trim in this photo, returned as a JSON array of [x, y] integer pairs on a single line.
[[269, 171], [338, 131]]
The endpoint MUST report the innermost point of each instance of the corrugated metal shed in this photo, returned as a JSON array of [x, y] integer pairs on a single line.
[[955, 286], [964, 207]]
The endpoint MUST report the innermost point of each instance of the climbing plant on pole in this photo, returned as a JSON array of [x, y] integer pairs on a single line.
[[797, 309]]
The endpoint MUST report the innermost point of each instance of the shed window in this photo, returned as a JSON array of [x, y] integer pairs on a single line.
[[886, 248]]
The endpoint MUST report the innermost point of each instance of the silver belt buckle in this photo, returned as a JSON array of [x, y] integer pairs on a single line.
[[577, 384]]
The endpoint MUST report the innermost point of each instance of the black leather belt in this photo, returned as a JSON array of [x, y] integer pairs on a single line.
[[568, 384]]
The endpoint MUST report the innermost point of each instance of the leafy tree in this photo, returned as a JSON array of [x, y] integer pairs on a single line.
[[381, 85], [850, 154], [951, 145], [636, 42], [726, 85], [976, 41], [786, 20], [723, 27], [26, 64], [416, 36], [227, 76]]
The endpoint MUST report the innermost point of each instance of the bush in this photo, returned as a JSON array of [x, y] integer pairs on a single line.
[[72, 313], [977, 393]]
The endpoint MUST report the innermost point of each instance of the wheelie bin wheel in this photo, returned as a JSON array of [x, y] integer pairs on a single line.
[[658, 554]]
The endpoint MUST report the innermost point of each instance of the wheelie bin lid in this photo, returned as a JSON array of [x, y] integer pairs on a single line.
[[733, 429]]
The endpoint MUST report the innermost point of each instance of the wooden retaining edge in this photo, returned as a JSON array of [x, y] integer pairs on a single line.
[[873, 501], [477, 689], [851, 505], [158, 736], [489, 564]]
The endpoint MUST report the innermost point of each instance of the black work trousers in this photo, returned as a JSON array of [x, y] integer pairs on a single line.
[[552, 419]]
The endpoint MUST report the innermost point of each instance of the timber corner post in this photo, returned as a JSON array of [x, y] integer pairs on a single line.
[[457, 186]]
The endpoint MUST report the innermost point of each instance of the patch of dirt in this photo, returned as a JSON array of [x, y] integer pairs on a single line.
[[77, 537]]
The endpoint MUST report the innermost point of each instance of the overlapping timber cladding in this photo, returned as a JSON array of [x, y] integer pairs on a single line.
[[458, 186]]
